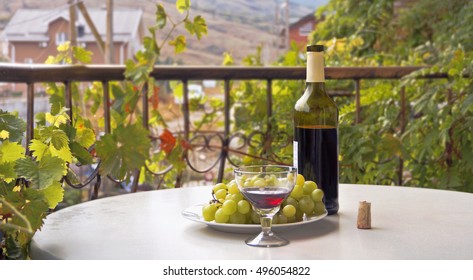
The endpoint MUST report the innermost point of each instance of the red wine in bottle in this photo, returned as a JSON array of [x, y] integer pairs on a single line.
[[316, 131]]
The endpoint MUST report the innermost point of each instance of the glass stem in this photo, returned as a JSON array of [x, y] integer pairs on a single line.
[[266, 222]]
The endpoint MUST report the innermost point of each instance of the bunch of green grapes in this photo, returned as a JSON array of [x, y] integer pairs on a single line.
[[229, 205]]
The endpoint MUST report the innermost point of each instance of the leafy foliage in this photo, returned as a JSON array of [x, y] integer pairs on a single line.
[[432, 148], [121, 153], [11, 126], [23, 208], [31, 185]]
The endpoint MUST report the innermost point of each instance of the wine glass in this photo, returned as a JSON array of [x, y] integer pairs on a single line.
[[266, 187]]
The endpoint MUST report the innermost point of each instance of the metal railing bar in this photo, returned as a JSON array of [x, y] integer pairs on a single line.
[[68, 98], [106, 106], [357, 101], [403, 120], [144, 100], [29, 116], [185, 108], [26, 73], [226, 132], [269, 114]]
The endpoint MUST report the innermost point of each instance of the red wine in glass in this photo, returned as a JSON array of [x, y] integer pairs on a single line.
[[265, 198]]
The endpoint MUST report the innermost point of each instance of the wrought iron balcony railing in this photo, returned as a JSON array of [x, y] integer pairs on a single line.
[[31, 74]]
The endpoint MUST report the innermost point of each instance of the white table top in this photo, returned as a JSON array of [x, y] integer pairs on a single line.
[[408, 223]]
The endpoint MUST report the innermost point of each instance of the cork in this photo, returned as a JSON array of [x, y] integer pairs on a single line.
[[364, 215]]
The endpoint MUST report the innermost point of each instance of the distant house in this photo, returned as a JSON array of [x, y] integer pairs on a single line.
[[301, 29], [32, 35]]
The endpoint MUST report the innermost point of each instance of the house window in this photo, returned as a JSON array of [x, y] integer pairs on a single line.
[[305, 29], [61, 38]]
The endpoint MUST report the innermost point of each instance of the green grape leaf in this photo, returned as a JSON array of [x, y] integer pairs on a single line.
[[178, 89], [179, 44], [137, 72], [59, 139], [4, 134], [82, 54], [189, 26], [56, 137], [13, 248], [161, 16], [183, 5], [56, 102], [64, 153], [35, 211], [150, 42], [85, 136], [41, 174], [40, 119], [227, 59], [64, 47], [200, 27], [80, 153], [11, 151], [53, 194], [7, 172], [39, 148], [124, 150], [69, 130], [57, 120], [14, 125]]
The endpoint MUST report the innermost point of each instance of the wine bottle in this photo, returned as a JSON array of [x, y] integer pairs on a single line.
[[316, 131]]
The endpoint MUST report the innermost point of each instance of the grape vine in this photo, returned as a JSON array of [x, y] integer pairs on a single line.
[[32, 179]]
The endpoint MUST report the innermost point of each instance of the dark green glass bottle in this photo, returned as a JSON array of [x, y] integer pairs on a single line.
[[316, 131]]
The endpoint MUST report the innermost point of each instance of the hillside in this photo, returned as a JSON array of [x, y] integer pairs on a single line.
[[236, 26]]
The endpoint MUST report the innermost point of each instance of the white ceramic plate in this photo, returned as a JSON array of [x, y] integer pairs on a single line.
[[194, 213]]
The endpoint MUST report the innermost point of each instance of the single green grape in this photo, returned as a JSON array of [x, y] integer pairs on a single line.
[[221, 217], [259, 182], [299, 215], [291, 219], [319, 208], [306, 204], [290, 177], [220, 194], [300, 180], [237, 218], [309, 187], [247, 183], [208, 212], [271, 180], [255, 218], [243, 206], [289, 210], [317, 195], [297, 192], [235, 197], [229, 207], [282, 219], [233, 188]]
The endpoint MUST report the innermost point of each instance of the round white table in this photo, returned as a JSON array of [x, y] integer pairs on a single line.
[[407, 223]]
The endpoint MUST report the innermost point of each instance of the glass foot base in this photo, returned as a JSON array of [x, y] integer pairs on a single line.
[[266, 240]]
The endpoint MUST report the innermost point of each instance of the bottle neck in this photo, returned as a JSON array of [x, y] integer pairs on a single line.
[[316, 87], [315, 67]]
